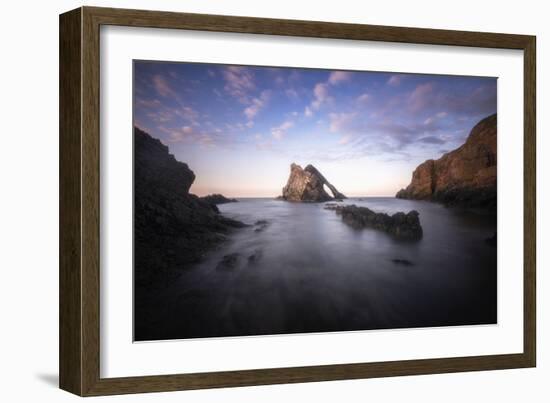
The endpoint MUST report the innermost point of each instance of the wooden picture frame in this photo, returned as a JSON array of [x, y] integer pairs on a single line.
[[79, 348]]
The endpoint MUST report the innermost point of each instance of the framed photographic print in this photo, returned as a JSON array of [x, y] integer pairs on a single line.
[[249, 201]]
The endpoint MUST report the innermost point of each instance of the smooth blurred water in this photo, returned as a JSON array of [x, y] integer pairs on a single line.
[[310, 272]]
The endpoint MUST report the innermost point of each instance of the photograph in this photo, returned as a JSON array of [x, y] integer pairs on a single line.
[[283, 200]]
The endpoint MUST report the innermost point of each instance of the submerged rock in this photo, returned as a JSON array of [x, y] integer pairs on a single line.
[[466, 176], [403, 262], [254, 257], [228, 262], [217, 198], [400, 225], [307, 185], [261, 225]]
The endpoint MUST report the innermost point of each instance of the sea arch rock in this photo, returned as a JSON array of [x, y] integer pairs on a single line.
[[307, 185]]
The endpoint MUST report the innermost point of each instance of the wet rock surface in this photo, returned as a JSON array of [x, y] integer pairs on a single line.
[[400, 225]]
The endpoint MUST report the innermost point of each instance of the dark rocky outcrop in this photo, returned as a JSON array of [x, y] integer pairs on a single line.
[[401, 225], [307, 185], [466, 176], [261, 225], [228, 262], [217, 198], [255, 257], [172, 227]]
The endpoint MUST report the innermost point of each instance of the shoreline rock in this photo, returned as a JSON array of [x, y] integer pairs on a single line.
[[400, 225], [466, 176], [173, 228], [307, 185], [217, 198]]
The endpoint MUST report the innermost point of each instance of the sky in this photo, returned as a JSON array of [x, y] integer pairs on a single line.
[[240, 127]]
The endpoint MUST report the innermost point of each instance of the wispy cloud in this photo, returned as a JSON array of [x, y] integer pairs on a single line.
[[162, 87], [147, 103], [395, 80], [345, 139], [427, 97], [257, 104], [321, 90], [432, 119], [189, 114], [161, 116], [336, 77], [292, 94], [320, 93], [431, 140], [363, 98], [239, 82], [189, 134], [280, 131], [421, 97], [341, 121]]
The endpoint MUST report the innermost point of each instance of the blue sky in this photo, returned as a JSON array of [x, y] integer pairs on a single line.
[[240, 127]]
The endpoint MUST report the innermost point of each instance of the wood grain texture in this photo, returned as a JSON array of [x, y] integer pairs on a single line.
[[70, 312], [530, 202], [80, 196], [90, 201]]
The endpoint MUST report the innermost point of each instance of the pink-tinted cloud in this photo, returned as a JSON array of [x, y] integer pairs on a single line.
[[147, 103], [320, 93], [189, 134], [363, 98], [239, 82], [189, 114], [257, 104], [337, 77], [161, 116], [340, 122], [421, 97], [321, 90], [280, 131], [345, 139], [395, 80], [162, 86]]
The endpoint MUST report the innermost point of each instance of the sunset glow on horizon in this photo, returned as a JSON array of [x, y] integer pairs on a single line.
[[240, 127]]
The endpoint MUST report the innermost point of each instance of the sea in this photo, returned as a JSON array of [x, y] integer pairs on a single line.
[[298, 268]]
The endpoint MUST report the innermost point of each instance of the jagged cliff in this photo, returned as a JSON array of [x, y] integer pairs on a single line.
[[308, 185], [466, 176], [172, 227]]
